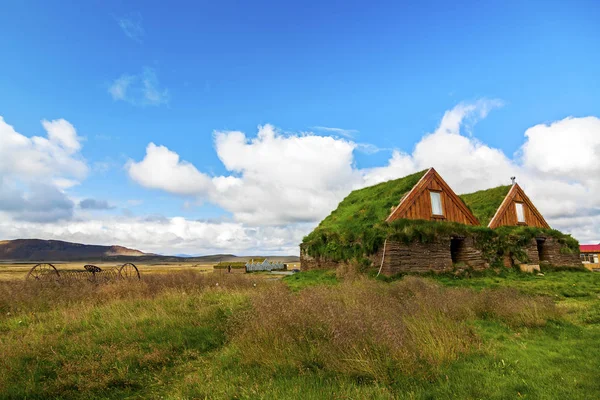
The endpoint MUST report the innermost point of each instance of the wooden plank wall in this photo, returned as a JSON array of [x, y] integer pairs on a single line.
[[509, 216], [421, 206]]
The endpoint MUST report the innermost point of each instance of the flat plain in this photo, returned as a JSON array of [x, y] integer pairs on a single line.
[[12, 270]]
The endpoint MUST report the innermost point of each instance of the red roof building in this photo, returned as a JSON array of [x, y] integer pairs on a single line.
[[589, 248], [590, 253]]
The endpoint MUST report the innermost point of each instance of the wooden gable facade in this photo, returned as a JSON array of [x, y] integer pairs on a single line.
[[517, 209], [432, 199]]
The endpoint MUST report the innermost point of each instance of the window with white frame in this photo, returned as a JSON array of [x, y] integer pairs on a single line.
[[589, 258], [520, 212], [436, 203]]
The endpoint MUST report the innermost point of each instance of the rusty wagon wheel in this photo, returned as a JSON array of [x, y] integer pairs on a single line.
[[43, 272], [129, 272]]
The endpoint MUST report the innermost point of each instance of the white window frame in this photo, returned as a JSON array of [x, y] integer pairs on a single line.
[[436, 202], [521, 215]]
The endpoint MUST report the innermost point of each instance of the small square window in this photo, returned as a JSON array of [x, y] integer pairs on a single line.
[[436, 203], [520, 212]]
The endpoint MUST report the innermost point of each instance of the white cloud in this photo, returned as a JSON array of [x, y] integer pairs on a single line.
[[566, 148], [64, 134], [131, 25], [465, 162], [555, 165], [34, 171], [164, 235], [162, 169], [55, 156], [139, 90], [278, 179], [282, 178], [278, 186]]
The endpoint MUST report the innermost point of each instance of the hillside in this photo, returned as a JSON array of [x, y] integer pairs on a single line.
[[484, 203], [52, 250], [57, 250]]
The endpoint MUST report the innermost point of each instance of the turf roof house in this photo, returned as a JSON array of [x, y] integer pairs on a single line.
[[510, 206], [387, 224], [394, 227]]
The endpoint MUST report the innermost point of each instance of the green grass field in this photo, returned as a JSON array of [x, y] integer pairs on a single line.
[[313, 335]]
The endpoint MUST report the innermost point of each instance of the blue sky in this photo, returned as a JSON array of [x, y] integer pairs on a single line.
[[385, 75]]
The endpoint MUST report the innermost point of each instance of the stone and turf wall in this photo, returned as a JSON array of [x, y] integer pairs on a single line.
[[552, 255], [308, 262], [437, 256], [415, 257], [468, 252]]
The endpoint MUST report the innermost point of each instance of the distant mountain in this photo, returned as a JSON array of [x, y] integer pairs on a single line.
[[56, 250]]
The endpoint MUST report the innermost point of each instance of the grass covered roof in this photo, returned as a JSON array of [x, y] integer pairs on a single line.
[[484, 203], [364, 208], [358, 227]]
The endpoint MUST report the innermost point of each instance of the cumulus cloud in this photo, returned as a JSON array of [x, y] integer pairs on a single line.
[[39, 157], [34, 171], [566, 148], [465, 162], [278, 178], [555, 165], [279, 185], [165, 235], [161, 168], [283, 178], [142, 89]]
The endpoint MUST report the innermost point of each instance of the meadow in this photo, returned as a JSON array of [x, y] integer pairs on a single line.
[[186, 334]]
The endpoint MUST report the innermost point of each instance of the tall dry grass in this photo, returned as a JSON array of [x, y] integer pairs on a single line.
[[28, 296], [87, 340], [374, 330], [53, 337]]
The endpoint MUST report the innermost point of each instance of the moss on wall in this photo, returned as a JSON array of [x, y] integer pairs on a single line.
[[495, 244]]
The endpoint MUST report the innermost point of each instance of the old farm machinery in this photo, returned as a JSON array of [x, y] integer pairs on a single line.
[[48, 273]]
